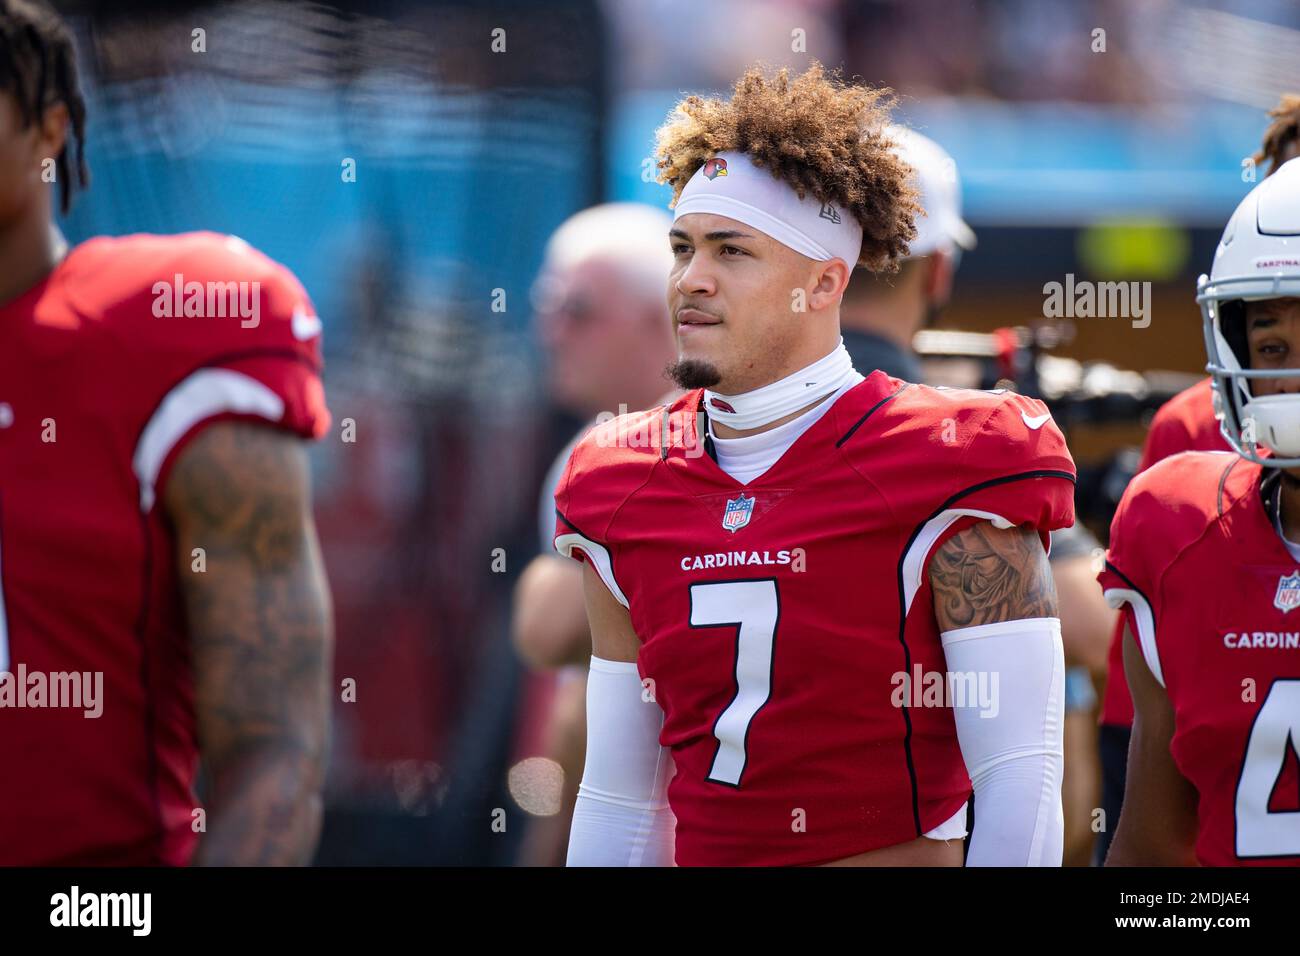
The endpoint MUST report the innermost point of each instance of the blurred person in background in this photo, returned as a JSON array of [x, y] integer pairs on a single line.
[[1187, 422], [603, 321], [156, 517], [882, 313]]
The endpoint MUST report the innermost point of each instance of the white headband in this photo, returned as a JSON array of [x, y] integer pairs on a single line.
[[732, 186]]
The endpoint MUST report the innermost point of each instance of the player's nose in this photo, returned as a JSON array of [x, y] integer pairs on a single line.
[[696, 279]]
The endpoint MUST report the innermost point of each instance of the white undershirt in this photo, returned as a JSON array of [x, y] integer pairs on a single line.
[[750, 457]]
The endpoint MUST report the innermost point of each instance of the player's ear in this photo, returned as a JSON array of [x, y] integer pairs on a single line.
[[830, 280], [53, 131]]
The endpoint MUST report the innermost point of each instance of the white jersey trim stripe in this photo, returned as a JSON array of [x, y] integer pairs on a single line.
[[914, 563], [207, 392], [1146, 622], [600, 560]]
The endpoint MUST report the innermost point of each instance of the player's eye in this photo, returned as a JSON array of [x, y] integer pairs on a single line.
[[734, 249], [679, 248]]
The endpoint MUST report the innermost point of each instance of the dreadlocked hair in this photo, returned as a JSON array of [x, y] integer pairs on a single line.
[[38, 65], [1281, 133], [814, 132]]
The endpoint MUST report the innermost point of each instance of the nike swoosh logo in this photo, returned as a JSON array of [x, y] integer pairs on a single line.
[[1035, 423], [304, 326]]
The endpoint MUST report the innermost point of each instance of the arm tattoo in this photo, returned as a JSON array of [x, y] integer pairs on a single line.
[[983, 575], [259, 623]]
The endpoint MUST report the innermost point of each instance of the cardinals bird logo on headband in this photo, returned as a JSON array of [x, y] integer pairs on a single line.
[[714, 168]]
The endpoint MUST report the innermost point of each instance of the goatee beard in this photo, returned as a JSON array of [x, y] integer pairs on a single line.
[[693, 373]]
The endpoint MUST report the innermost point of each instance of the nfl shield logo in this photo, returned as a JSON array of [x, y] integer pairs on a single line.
[[1288, 592], [740, 508]]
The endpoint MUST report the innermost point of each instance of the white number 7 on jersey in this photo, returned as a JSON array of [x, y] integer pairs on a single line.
[[753, 608]]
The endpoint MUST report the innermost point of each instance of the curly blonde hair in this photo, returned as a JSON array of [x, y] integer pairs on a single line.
[[815, 132], [1282, 132]]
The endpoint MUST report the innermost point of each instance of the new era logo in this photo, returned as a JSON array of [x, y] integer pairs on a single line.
[[828, 212]]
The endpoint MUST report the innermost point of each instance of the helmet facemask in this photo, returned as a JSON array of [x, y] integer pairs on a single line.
[[1264, 429]]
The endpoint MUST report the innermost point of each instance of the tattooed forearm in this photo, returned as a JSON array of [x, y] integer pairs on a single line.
[[984, 574], [260, 633]]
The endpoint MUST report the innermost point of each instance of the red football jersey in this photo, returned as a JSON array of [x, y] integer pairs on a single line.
[[1209, 586], [99, 390], [1184, 423], [778, 618]]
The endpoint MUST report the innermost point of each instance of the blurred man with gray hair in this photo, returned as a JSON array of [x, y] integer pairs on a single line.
[[603, 320]]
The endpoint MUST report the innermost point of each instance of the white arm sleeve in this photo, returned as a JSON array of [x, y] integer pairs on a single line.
[[622, 816], [1012, 742]]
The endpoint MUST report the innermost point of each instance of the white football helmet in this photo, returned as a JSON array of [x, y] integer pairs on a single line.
[[1258, 258]]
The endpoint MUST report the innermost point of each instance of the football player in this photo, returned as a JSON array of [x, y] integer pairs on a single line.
[[1186, 422], [769, 613], [157, 550], [1215, 672]]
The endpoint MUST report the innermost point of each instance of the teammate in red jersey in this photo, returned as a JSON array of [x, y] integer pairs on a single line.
[[161, 590], [1186, 422], [783, 565], [1215, 671]]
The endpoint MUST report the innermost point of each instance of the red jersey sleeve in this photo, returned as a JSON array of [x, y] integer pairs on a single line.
[[1164, 509], [603, 471], [207, 329], [1129, 578], [283, 352], [1016, 470], [947, 459]]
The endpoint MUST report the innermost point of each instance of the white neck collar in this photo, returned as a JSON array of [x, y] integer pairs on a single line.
[[764, 405], [750, 457]]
